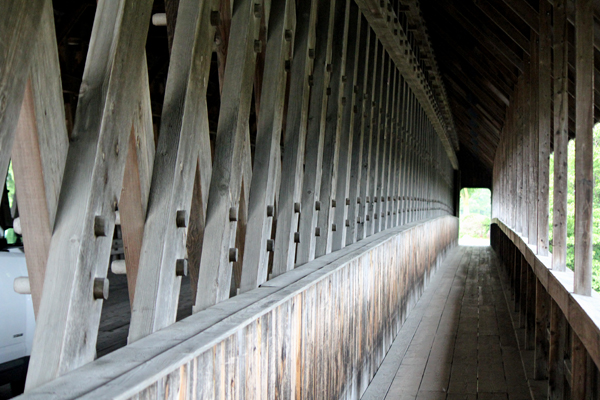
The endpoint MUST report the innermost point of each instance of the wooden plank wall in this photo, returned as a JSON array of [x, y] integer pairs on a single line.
[[565, 328], [320, 331], [368, 146]]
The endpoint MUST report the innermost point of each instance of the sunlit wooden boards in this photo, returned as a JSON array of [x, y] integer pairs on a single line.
[[69, 312]]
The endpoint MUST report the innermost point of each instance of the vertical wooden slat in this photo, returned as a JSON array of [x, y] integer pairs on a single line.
[[561, 136], [232, 137], [343, 219], [540, 367], [366, 165], [295, 138], [556, 365], [261, 206], [172, 187], [578, 364], [544, 125], [533, 140], [315, 133], [333, 131], [584, 146], [69, 314]]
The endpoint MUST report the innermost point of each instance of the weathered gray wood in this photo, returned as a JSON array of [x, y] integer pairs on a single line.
[[315, 135], [40, 152], [344, 212], [365, 52], [133, 202], [19, 26], [171, 190], [380, 85], [81, 242], [561, 136], [365, 182], [584, 177], [292, 168], [333, 130], [262, 191], [226, 180], [533, 141], [545, 125], [540, 366], [223, 351], [378, 15]]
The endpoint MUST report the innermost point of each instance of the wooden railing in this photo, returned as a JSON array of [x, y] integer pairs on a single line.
[[563, 328], [319, 331]]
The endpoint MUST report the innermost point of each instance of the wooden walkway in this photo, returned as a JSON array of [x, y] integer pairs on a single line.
[[459, 341]]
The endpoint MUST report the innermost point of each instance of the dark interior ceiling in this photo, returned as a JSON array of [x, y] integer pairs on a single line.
[[482, 47]]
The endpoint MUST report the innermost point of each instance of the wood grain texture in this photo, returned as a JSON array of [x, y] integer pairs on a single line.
[[292, 166], [81, 242], [19, 25], [183, 139], [39, 153], [226, 180], [266, 343]]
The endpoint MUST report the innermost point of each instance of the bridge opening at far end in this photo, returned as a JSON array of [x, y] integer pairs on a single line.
[[475, 217]]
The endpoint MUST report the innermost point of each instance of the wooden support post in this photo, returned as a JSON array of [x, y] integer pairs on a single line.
[[544, 124], [341, 218], [540, 367], [533, 140], [315, 136], [519, 155], [374, 170], [40, 152], [578, 362], [556, 365], [232, 137], [525, 205], [172, 187], [364, 56], [584, 146], [530, 311], [295, 138], [19, 26], [366, 165], [261, 207], [561, 136], [69, 313], [136, 180], [382, 144], [332, 130]]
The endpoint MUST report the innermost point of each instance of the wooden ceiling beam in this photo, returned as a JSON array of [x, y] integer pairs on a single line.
[[526, 12], [465, 17], [482, 97], [504, 24], [450, 50]]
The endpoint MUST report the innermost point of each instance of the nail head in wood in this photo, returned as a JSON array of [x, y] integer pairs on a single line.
[[333, 227], [181, 267], [181, 219], [296, 237], [233, 214], [215, 18], [296, 207], [288, 35], [233, 255], [270, 245], [100, 289], [100, 227], [318, 205], [270, 211], [317, 231]]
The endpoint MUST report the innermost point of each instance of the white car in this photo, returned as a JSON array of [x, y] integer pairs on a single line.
[[17, 321]]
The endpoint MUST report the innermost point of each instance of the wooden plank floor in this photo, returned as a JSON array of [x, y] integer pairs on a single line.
[[458, 342]]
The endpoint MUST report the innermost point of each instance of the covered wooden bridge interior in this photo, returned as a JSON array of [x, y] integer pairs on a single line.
[[285, 173]]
